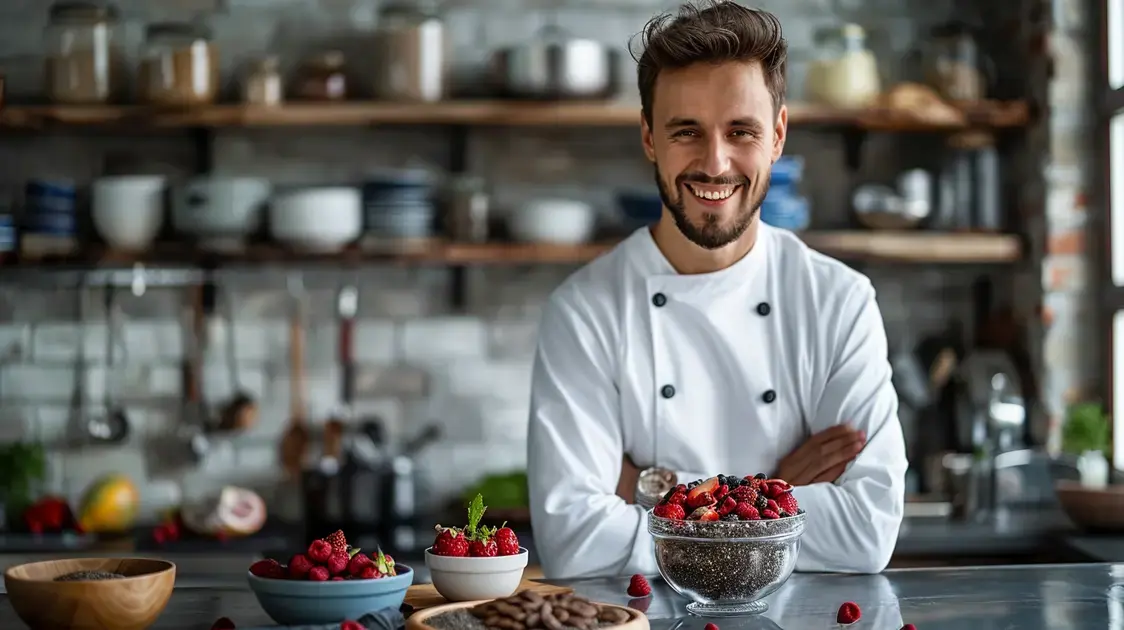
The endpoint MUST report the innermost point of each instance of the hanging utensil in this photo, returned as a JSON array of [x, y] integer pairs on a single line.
[[241, 413], [295, 440], [195, 423], [113, 425]]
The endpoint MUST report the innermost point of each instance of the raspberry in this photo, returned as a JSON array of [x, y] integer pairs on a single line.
[[744, 494], [747, 512], [769, 514], [710, 626], [351, 625], [506, 542], [223, 623], [299, 566], [772, 505], [338, 578], [338, 563], [729, 504], [337, 540], [848, 614], [370, 572], [450, 542], [670, 510], [638, 586], [788, 503], [679, 498], [356, 564], [319, 551], [318, 574], [909, 626], [268, 569], [483, 548]]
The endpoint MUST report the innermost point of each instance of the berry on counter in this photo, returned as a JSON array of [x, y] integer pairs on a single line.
[[338, 562], [338, 541], [507, 543], [848, 613], [909, 626], [351, 625], [223, 623], [710, 626], [318, 574], [319, 551], [299, 566], [269, 569], [638, 586], [670, 510]]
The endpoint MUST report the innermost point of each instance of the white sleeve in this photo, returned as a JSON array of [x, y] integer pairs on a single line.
[[574, 452], [852, 525]]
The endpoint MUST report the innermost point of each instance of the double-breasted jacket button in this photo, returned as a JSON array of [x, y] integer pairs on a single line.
[[769, 396], [659, 300], [667, 391], [764, 309]]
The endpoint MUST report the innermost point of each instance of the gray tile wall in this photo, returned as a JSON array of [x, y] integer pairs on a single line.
[[421, 362]]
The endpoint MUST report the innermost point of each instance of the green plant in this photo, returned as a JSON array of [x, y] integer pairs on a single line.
[[1086, 428], [22, 464]]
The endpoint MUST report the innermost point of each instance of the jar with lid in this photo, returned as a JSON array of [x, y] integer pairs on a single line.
[[263, 85], [322, 77], [179, 66], [83, 65], [844, 72], [954, 66], [410, 54]]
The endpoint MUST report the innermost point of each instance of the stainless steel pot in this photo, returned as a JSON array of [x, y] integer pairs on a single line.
[[556, 66]]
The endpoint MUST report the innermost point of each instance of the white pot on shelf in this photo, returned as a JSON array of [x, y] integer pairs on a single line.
[[1094, 469]]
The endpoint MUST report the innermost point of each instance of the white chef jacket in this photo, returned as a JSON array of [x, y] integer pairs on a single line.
[[724, 372]]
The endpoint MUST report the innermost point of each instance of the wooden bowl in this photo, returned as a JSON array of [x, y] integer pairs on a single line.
[[130, 603], [636, 619], [1093, 509]]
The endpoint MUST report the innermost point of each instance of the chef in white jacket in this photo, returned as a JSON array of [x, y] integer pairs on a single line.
[[710, 342]]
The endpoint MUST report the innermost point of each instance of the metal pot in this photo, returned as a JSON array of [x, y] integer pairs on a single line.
[[556, 66]]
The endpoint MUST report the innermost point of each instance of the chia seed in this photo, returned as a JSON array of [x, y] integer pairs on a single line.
[[88, 576]]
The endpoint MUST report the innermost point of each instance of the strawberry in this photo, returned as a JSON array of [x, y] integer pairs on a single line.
[[772, 505], [728, 505], [775, 487], [270, 569], [788, 503], [769, 514], [848, 613], [356, 564], [721, 491], [337, 540], [299, 566], [708, 487], [670, 510], [679, 498], [318, 574], [319, 551], [747, 512], [710, 626], [638, 586], [909, 626], [348, 624], [699, 500], [507, 543], [337, 564], [450, 542], [705, 513], [485, 548], [223, 623]]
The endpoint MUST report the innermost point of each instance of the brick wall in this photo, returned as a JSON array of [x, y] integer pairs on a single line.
[[421, 362]]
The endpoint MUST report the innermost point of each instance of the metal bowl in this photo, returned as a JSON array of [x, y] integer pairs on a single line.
[[726, 567]]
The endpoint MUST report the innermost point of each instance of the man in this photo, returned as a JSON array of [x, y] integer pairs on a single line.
[[712, 343]]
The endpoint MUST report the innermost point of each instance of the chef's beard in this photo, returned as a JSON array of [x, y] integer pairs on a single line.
[[711, 235]]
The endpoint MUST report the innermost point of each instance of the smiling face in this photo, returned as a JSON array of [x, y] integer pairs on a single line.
[[713, 139]]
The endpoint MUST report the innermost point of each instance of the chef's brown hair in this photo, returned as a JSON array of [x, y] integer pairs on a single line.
[[714, 31]]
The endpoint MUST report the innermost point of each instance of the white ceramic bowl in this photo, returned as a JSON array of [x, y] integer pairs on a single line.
[[128, 211], [220, 211], [317, 219], [471, 579], [555, 221]]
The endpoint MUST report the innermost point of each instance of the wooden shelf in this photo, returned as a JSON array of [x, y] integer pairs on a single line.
[[903, 247], [472, 113]]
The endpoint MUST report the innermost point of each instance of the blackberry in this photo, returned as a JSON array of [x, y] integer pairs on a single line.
[[784, 514], [692, 484], [761, 503], [760, 476], [799, 510], [735, 481], [731, 517], [722, 480]]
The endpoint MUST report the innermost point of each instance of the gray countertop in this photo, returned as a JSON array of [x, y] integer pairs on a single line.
[[1057, 597]]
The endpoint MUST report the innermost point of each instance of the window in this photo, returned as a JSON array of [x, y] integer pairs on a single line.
[[1111, 125]]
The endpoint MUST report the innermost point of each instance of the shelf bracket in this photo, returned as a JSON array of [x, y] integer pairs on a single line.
[[853, 141], [458, 164], [203, 140]]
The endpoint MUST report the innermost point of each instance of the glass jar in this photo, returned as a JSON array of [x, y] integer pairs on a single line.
[[83, 61], [321, 77], [263, 85], [410, 54], [953, 64], [844, 72], [179, 66]]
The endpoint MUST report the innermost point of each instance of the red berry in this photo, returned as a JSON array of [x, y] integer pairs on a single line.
[[638, 586], [338, 578], [269, 569], [729, 504], [679, 498], [483, 548], [705, 513], [319, 551], [710, 626], [772, 505], [747, 512], [355, 565], [788, 503], [450, 542], [299, 566], [337, 564], [370, 572], [769, 514], [351, 625], [337, 540], [848, 614], [673, 511], [318, 574], [160, 535], [708, 487], [223, 623], [722, 491], [700, 500], [506, 542], [909, 626]]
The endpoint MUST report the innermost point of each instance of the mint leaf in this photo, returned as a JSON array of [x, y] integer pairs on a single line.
[[475, 512], [352, 551], [382, 565]]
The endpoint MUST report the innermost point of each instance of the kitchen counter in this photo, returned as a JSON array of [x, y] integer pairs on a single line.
[[1057, 597]]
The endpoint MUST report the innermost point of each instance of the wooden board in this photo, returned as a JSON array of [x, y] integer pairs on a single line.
[[422, 596], [636, 619]]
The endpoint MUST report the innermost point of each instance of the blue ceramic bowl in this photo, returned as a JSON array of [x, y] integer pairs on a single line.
[[297, 602]]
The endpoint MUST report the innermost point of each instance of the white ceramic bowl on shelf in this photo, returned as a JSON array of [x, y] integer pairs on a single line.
[[320, 220], [470, 579], [128, 210]]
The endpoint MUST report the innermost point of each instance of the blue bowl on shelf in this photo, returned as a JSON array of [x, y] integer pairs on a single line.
[[786, 211], [787, 171], [639, 208], [299, 602]]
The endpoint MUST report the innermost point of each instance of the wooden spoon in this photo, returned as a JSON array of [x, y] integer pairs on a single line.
[[295, 440]]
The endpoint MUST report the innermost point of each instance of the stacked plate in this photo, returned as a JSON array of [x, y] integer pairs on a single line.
[[399, 205]]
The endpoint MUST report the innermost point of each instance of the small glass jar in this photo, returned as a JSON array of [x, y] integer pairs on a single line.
[[179, 66], [264, 86], [83, 61], [954, 66], [844, 73], [322, 77]]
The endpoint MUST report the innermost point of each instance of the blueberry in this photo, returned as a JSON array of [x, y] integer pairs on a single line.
[[760, 476], [722, 480]]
